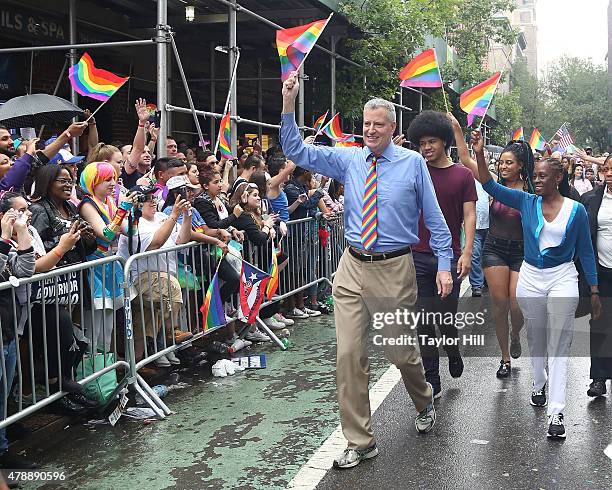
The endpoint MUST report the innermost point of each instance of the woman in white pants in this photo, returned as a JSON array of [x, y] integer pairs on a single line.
[[555, 229]]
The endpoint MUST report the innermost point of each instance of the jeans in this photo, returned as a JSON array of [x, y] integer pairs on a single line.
[[476, 273], [426, 266], [7, 371]]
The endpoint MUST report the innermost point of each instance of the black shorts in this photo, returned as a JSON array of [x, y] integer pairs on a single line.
[[502, 252]]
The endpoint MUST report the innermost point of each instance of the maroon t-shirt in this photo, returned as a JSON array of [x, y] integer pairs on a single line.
[[454, 185]]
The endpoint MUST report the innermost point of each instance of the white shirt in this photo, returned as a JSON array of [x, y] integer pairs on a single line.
[[604, 230], [583, 185], [552, 232], [482, 207], [156, 263]]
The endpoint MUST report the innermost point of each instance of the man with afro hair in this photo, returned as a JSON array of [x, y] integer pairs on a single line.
[[456, 193]]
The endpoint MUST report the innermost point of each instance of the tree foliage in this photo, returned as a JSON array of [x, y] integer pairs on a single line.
[[393, 31], [573, 91]]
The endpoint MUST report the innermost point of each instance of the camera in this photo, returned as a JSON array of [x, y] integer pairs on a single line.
[[141, 195], [183, 192]]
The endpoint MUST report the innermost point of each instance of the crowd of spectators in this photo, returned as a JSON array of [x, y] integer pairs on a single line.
[[58, 209]]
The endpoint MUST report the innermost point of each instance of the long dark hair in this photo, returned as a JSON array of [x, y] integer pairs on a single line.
[[45, 176], [524, 154]]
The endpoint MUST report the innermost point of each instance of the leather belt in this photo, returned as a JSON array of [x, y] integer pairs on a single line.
[[376, 256]]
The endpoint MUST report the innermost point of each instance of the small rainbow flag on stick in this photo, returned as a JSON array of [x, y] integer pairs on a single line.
[[422, 71], [93, 82], [212, 310], [537, 141], [518, 135], [476, 101], [333, 130], [294, 44], [273, 282], [225, 136], [320, 121]]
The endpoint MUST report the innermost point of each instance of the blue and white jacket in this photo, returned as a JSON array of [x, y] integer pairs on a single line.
[[577, 238]]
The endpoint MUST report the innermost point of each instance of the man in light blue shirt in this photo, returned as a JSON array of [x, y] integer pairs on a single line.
[[376, 275]]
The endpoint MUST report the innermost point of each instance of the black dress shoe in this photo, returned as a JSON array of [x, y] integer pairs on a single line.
[[68, 385], [81, 399], [66, 406], [597, 388], [455, 366], [16, 462]]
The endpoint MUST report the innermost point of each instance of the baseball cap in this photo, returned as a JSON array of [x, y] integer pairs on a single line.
[[179, 181], [64, 157], [52, 139], [143, 189]]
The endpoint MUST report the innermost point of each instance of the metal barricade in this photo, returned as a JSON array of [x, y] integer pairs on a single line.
[[55, 318], [157, 301]]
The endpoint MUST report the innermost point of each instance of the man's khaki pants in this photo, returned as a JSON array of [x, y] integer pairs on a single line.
[[360, 291]]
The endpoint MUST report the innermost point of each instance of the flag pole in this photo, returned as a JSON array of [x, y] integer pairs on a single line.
[[94, 112], [227, 100], [306, 55], [102, 104], [326, 124], [441, 80], [490, 100]]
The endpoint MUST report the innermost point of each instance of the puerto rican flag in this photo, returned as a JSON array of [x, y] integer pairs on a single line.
[[253, 284]]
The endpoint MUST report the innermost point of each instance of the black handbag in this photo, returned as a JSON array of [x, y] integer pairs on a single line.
[[584, 291]]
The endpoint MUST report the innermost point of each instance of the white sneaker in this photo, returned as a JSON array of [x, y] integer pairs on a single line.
[[257, 336], [273, 324], [173, 359], [162, 361], [310, 312], [296, 313], [279, 317]]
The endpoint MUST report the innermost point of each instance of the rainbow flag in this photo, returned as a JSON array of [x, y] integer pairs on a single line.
[[518, 135], [537, 141], [294, 44], [93, 82], [320, 121], [348, 142], [225, 137], [422, 71], [212, 310], [333, 130], [273, 271], [476, 101]]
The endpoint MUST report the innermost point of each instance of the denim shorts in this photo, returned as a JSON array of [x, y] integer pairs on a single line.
[[502, 252]]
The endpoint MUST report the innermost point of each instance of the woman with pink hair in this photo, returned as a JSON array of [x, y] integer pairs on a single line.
[[98, 208]]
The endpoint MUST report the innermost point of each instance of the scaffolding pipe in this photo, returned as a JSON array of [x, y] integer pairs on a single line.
[[333, 74], [213, 95], [400, 113], [162, 75], [237, 119], [74, 97], [236, 7], [300, 111], [64, 47], [240, 79], [234, 56], [187, 91], [259, 99]]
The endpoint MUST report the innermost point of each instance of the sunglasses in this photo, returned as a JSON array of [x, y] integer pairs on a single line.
[[65, 181]]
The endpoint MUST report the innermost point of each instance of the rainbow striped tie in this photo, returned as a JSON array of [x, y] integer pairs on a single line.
[[369, 218]]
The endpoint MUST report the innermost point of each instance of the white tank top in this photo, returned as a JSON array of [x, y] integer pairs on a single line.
[[552, 232]]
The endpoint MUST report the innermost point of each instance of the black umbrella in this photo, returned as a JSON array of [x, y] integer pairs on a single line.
[[30, 111]]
